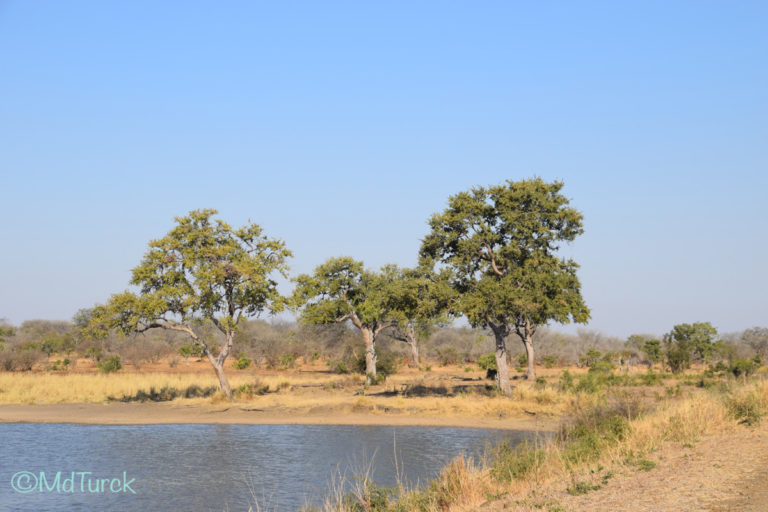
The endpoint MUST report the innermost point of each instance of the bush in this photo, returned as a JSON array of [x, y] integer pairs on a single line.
[[513, 463], [22, 360], [288, 360], [241, 363], [447, 355], [604, 367], [111, 365], [487, 362], [252, 389], [566, 381], [743, 367], [591, 357], [747, 409], [650, 378], [386, 363], [167, 393], [549, 361]]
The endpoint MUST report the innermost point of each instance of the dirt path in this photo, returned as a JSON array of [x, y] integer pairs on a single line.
[[723, 473], [169, 413]]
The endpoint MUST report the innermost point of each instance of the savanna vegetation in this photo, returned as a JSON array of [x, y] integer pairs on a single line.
[[429, 340]]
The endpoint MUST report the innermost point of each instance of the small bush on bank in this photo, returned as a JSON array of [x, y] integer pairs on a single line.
[[511, 463], [241, 363], [111, 365], [167, 393], [487, 362], [746, 408]]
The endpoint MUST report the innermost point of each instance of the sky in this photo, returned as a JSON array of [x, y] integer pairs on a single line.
[[340, 127]]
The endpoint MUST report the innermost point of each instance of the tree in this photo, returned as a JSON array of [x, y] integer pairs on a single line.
[[342, 289], [418, 300], [202, 273], [501, 243], [686, 342], [757, 339]]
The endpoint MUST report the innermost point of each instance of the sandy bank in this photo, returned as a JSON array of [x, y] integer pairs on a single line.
[[244, 414]]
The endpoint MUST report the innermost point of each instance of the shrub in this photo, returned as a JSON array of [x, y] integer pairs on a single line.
[[650, 378], [590, 357], [487, 362], [513, 463], [288, 360], [566, 381], [241, 363], [549, 361], [22, 360], [447, 355], [743, 367], [251, 389], [111, 365], [94, 353], [167, 393], [386, 363], [604, 367], [747, 409]]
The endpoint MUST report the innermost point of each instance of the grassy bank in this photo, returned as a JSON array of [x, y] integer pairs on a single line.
[[611, 433]]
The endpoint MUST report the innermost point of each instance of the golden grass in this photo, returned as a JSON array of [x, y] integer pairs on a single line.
[[298, 392], [464, 486]]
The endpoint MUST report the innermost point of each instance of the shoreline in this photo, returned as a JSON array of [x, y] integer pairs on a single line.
[[243, 414]]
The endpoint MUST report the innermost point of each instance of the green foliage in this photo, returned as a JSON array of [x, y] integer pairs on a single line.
[[746, 408], [387, 363], [94, 353], [487, 362], [288, 360], [581, 488], [60, 365], [500, 244], [744, 367], [690, 341], [650, 378], [566, 381], [188, 350], [111, 365], [653, 351], [203, 271], [516, 462], [591, 357], [604, 367], [373, 499], [340, 367], [241, 363], [251, 389], [549, 361], [596, 428]]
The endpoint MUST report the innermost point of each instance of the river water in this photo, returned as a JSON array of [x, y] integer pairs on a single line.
[[218, 468]]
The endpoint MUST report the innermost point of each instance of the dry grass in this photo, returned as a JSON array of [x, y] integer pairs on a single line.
[[547, 469]]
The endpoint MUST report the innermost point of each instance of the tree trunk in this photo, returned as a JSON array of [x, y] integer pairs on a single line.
[[223, 382], [370, 355], [528, 344], [414, 347], [502, 374]]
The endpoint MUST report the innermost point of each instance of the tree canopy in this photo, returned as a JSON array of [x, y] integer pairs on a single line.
[[203, 270], [342, 289], [501, 243]]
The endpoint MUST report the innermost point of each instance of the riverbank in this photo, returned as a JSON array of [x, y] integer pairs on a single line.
[[241, 413]]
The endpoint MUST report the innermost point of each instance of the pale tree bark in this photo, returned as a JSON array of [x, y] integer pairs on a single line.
[[500, 332], [370, 354], [407, 335], [526, 331]]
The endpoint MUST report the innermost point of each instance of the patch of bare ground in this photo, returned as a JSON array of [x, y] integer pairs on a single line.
[[724, 472]]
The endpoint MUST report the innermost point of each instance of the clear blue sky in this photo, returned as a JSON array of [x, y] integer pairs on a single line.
[[341, 126]]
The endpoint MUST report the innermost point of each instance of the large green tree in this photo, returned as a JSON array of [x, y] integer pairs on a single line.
[[501, 243], [686, 342], [419, 299], [202, 272], [341, 290]]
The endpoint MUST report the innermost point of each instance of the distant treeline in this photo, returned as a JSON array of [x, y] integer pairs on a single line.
[[33, 344]]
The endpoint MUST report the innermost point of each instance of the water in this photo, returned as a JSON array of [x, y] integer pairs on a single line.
[[214, 467]]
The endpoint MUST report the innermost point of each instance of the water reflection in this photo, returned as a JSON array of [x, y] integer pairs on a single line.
[[220, 467]]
